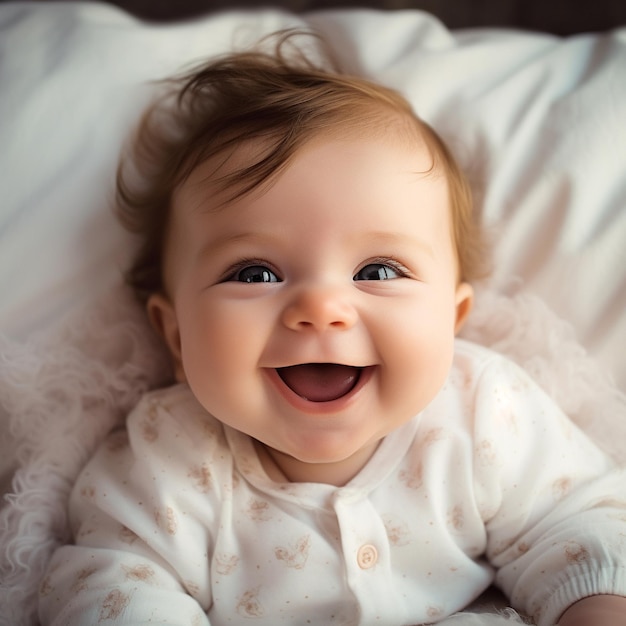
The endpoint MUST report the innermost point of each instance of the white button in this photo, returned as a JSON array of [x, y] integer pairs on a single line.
[[367, 556]]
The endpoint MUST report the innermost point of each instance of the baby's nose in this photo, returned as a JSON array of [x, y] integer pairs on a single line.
[[320, 309]]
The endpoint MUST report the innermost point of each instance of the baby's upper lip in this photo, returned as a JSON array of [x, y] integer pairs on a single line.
[[287, 362], [351, 353], [321, 364]]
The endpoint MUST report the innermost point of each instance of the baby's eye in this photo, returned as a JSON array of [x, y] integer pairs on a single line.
[[255, 274], [378, 271]]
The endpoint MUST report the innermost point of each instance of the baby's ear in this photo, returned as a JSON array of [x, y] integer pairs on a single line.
[[162, 316], [464, 303]]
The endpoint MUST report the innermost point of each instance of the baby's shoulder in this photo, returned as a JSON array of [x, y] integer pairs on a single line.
[[167, 436], [479, 375], [490, 387], [171, 455], [171, 417]]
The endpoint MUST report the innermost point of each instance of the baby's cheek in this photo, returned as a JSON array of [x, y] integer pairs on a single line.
[[430, 370]]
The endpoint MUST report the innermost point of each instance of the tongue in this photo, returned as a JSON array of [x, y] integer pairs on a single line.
[[320, 382]]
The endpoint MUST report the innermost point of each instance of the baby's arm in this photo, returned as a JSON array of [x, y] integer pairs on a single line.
[[141, 551], [95, 585], [573, 558], [557, 527], [121, 567], [596, 611]]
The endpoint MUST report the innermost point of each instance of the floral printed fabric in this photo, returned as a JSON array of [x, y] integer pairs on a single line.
[[177, 522]]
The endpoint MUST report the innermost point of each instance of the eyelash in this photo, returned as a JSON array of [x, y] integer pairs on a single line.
[[399, 267], [234, 269]]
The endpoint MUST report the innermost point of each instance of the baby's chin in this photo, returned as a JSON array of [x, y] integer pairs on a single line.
[[321, 466]]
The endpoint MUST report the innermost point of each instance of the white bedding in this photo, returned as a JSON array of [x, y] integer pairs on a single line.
[[538, 122]]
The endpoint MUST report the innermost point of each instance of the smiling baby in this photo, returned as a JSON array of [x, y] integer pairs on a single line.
[[329, 452]]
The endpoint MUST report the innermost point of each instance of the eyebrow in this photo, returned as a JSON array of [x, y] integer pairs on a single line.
[[382, 238], [215, 245], [394, 239]]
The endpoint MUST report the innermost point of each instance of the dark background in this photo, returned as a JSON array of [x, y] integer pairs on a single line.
[[560, 17]]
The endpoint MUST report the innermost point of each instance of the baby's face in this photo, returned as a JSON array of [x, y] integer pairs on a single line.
[[319, 315]]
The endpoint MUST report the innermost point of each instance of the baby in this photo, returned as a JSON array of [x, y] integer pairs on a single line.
[[330, 453]]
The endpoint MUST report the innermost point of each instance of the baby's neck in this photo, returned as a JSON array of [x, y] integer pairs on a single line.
[[284, 468]]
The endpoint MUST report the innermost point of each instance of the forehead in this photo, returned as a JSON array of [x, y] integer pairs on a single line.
[[352, 184], [252, 167]]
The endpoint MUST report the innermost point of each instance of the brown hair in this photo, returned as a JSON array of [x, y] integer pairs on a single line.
[[282, 102]]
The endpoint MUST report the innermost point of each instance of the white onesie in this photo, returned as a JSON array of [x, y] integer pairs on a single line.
[[176, 521]]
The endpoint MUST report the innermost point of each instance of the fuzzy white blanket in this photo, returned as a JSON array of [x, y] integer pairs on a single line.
[[64, 389]]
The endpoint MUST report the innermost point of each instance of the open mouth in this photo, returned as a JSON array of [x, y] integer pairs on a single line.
[[320, 382]]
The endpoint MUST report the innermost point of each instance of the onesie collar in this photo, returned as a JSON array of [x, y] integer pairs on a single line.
[[385, 460]]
